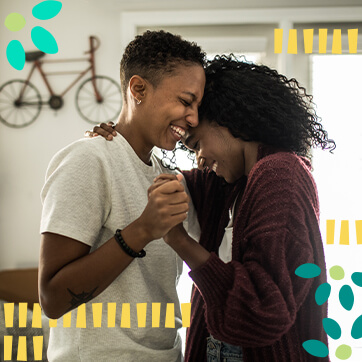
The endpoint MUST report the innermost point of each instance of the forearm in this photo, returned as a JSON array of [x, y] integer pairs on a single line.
[[63, 288], [188, 249]]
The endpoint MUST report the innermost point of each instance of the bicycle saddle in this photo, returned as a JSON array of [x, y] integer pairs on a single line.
[[31, 56]]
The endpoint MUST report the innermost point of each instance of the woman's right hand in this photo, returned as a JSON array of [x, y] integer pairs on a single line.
[[105, 130], [167, 206]]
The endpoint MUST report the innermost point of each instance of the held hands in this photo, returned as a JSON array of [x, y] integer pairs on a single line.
[[177, 238], [167, 206], [187, 248], [178, 230]]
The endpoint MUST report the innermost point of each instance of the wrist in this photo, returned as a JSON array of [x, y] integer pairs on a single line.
[[126, 248], [176, 236], [136, 236], [187, 248]]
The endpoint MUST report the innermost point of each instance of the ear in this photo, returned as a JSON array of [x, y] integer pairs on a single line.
[[137, 86]]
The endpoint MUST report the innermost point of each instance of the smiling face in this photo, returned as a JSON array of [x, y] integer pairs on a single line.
[[170, 108], [217, 149]]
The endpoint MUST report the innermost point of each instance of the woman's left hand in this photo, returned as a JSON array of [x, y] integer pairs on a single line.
[[105, 130], [161, 179]]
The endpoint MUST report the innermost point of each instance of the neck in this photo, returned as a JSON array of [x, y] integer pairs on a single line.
[[127, 128], [250, 156]]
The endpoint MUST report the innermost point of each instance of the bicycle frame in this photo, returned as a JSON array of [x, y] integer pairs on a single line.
[[98, 98], [39, 63]]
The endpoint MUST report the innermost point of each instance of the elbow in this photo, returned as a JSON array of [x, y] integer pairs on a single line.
[[254, 333], [49, 305], [268, 332]]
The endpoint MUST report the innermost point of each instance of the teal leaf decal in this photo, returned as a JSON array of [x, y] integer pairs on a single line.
[[332, 328], [15, 54], [357, 279], [346, 297], [308, 270], [47, 9], [43, 40], [316, 348], [322, 293], [356, 331]]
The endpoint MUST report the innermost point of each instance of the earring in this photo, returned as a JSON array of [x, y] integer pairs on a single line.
[[138, 101]]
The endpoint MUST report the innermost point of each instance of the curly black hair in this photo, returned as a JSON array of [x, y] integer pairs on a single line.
[[256, 103], [156, 53]]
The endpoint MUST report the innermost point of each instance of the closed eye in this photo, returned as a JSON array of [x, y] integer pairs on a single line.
[[185, 102], [191, 144], [195, 147]]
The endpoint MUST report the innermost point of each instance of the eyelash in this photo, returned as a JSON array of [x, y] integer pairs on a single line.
[[185, 103]]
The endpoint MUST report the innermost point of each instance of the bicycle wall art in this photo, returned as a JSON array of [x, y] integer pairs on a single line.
[[98, 98]]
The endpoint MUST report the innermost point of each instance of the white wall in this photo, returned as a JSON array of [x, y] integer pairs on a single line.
[[26, 152], [144, 5]]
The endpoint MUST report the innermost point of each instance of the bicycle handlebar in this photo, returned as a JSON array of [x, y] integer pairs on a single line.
[[93, 47]]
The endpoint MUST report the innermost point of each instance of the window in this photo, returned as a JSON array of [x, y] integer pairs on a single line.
[[336, 83]]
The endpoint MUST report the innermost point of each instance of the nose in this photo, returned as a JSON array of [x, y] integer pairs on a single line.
[[192, 118]]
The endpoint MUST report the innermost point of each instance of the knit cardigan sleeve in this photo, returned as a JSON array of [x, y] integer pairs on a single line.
[[254, 299], [205, 187]]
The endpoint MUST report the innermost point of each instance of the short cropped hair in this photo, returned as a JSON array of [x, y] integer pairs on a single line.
[[154, 54]]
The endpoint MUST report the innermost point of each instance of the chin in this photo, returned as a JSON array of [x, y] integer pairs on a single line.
[[169, 148], [229, 179], [224, 178]]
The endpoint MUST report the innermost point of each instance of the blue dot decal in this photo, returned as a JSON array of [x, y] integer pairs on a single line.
[[41, 38]]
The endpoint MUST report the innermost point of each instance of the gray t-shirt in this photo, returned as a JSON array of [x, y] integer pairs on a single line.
[[94, 187]]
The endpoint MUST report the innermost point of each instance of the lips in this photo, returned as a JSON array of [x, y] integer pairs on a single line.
[[178, 132], [211, 166], [214, 166]]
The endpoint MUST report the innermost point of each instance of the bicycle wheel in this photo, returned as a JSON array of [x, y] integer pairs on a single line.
[[16, 111], [107, 108]]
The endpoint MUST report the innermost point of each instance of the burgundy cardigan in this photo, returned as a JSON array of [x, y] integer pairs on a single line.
[[256, 301]]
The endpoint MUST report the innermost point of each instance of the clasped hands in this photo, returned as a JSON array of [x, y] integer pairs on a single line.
[[167, 208]]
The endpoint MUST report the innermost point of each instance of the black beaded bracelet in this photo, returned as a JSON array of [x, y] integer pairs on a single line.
[[126, 248]]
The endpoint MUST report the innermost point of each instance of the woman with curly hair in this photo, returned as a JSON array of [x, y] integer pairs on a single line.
[[258, 209]]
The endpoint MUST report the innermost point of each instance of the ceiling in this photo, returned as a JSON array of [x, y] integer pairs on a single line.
[[143, 5]]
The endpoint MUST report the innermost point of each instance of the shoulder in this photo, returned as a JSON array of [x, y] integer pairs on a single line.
[[286, 176], [282, 174], [285, 165], [82, 147], [81, 154]]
